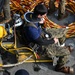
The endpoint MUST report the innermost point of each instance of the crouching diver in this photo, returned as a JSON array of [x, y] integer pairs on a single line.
[[33, 33]]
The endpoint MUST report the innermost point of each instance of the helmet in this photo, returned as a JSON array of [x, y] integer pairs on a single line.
[[18, 20], [22, 72]]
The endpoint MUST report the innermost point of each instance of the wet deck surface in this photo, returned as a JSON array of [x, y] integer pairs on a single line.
[[65, 21], [46, 68]]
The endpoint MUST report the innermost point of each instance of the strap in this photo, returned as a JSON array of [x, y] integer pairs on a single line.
[[30, 24]]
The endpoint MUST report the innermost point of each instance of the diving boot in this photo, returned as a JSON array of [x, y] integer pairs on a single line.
[[64, 69]]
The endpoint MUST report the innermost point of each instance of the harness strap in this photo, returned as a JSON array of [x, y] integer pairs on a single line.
[[30, 24]]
